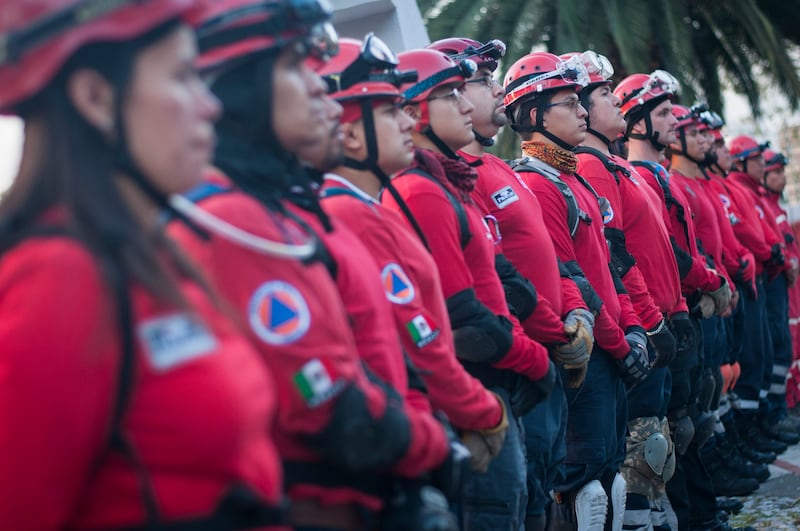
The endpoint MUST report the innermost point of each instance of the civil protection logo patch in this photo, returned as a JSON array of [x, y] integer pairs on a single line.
[[278, 313], [396, 284]]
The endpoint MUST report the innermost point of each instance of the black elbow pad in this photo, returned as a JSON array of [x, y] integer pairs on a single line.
[[619, 287], [355, 440], [479, 335], [683, 258], [621, 260], [590, 296], [521, 296]]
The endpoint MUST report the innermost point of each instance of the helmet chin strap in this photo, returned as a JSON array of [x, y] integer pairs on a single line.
[[539, 127], [682, 151], [370, 163], [482, 140], [649, 134], [439, 143], [603, 138]]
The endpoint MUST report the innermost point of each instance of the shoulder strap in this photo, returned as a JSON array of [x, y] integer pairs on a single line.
[[335, 191], [458, 206], [610, 165], [574, 212], [662, 177]]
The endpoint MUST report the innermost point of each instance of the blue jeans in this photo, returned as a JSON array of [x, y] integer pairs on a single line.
[[596, 425], [753, 354], [497, 499], [545, 428]]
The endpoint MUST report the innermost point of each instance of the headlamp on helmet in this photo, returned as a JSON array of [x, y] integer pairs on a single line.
[[492, 51], [752, 152], [712, 120]]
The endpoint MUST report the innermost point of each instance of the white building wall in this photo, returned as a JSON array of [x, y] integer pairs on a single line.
[[398, 22]]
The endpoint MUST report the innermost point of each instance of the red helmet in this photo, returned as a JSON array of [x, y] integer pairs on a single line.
[[483, 54], [434, 69], [685, 116], [637, 89], [228, 30], [39, 36], [365, 69], [744, 147], [540, 72], [774, 160]]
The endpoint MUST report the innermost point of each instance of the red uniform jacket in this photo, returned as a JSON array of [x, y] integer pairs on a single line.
[[296, 318], [502, 193], [413, 287], [590, 250], [751, 227], [778, 216], [707, 217], [470, 267], [198, 415], [653, 283], [682, 230], [733, 251]]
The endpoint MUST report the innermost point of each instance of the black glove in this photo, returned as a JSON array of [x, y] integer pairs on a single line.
[[528, 393], [683, 330], [411, 504], [664, 343], [635, 366], [738, 277], [776, 257]]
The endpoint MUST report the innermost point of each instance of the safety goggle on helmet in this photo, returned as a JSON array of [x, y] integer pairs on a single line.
[[369, 66], [539, 72], [636, 90], [744, 147], [434, 69], [486, 55], [774, 161], [231, 30], [597, 65]]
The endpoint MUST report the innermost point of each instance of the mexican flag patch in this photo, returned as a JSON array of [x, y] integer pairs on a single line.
[[317, 383], [422, 330]]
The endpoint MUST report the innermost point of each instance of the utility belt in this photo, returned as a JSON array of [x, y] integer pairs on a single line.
[[238, 509]]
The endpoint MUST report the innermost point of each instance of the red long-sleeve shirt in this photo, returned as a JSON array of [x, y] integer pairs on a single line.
[[654, 279], [590, 251], [751, 227], [199, 412], [415, 291], [526, 243], [296, 318], [733, 251], [470, 267], [682, 230]]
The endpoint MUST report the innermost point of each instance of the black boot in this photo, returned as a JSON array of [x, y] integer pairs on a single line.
[[751, 433], [782, 435], [725, 480], [749, 453], [729, 505], [738, 463]]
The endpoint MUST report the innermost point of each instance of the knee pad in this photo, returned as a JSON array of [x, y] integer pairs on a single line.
[[618, 495], [591, 505], [648, 451], [727, 377], [682, 429], [704, 424], [737, 371], [669, 465]]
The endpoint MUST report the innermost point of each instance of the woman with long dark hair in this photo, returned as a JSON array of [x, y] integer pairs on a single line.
[[127, 399]]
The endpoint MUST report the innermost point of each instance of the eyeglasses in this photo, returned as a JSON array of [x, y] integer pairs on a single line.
[[570, 103], [487, 81], [453, 95]]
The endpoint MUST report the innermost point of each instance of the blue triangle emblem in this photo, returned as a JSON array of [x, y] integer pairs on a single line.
[[280, 313]]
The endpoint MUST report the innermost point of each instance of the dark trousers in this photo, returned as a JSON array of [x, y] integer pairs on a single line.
[[775, 375]]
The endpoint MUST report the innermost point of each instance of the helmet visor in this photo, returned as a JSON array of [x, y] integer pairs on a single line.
[[597, 64], [464, 68]]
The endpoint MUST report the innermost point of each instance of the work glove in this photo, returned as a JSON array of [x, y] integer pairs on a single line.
[[495, 437], [776, 259], [579, 327], [480, 454], [683, 330], [721, 296], [528, 393], [664, 343], [635, 366], [705, 307]]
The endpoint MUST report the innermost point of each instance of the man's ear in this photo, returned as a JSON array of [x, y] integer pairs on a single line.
[[353, 136], [92, 95], [532, 115], [640, 128], [412, 110]]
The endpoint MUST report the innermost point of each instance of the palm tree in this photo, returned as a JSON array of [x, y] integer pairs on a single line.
[[703, 43]]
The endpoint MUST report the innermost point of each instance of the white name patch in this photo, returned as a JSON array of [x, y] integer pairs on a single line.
[[504, 197], [175, 339]]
